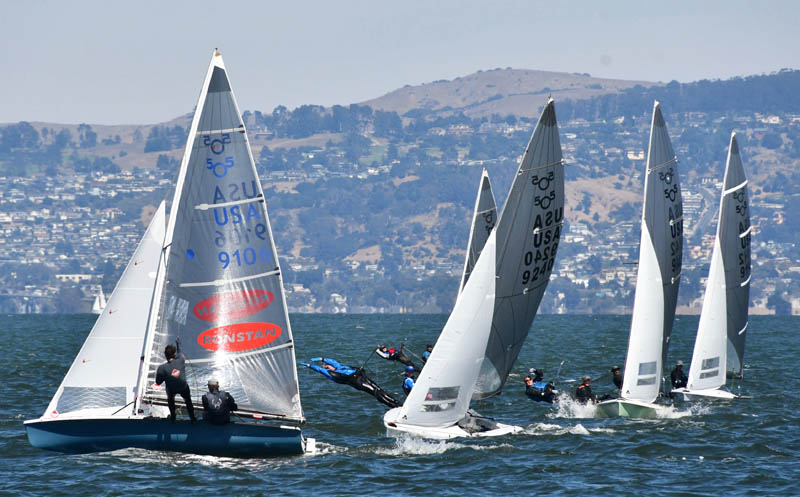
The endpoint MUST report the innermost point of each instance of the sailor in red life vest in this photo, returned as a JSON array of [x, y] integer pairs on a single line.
[[394, 354], [173, 373], [584, 392]]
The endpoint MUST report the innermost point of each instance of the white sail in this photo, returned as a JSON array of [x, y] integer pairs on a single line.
[[660, 256], [441, 395], [484, 217], [99, 301], [103, 377], [220, 290], [724, 312]]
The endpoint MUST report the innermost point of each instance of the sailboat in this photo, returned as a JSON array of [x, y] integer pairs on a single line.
[[659, 272], [719, 345], [484, 217], [438, 405], [214, 285], [528, 233], [99, 301]]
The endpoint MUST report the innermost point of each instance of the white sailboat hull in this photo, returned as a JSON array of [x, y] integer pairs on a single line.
[[623, 408], [689, 395], [395, 429]]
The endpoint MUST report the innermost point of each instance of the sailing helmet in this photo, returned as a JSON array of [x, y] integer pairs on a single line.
[[409, 369], [213, 382], [586, 377]]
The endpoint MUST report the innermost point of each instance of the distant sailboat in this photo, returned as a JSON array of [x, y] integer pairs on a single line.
[[484, 217], [438, 405], [528, 234], [659, 272], [723, 320], [217, 289], [99, 301]]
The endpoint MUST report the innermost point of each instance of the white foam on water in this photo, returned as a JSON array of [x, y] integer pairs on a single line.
[[671, 412], [415, 446], [567, 407], [538, 429]]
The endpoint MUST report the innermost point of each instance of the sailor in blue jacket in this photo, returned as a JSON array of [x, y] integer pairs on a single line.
[[408, 381], [348, 375]]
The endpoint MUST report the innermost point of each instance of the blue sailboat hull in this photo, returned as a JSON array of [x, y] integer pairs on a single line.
[[78, 436]]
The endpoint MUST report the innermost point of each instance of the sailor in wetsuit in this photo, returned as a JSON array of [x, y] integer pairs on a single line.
[[677, 377], [408, 381], [173, 373], [348, 375], [427, 354], [537, 389], [393, 354], [617, 378], [218, 404], [584, 392]]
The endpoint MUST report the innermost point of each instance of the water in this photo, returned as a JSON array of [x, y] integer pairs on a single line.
[[744, 447]]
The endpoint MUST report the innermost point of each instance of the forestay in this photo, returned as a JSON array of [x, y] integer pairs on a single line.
[[528, 233], [102, 379], [441, 395], [221, 291], [660, 254], [484, 218]]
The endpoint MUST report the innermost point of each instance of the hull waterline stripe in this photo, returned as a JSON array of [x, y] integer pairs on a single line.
[[224, 282]]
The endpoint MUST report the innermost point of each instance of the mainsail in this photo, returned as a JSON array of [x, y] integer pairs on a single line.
[[99, 302], [442, 394], [660, 254], [484, 218], [723, 320], [528, 233], [102, 379], [220, 291]]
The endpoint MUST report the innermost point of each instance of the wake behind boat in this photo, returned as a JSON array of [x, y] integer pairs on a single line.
[[723, 320], [212, 281], [660, 254]]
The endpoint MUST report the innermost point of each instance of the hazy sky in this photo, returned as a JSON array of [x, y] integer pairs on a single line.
[[137, 62]]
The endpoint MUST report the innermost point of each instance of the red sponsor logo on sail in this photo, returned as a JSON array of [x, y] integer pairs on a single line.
[[233, 305], [239, 337]]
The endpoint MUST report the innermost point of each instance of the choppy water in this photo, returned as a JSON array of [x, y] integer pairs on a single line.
[[744, 447]]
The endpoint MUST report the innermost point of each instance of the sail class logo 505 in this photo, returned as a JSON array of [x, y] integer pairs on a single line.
[[233, 305], [239, 337]]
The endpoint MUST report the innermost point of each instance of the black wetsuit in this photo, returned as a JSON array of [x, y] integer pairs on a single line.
[[678, 378], [218, 407], [173, 374], [356, 378], [617, 381], [540, 392], [584, 394]]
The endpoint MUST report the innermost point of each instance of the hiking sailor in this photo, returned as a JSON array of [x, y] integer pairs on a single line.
[[348, 375], [537, 389]]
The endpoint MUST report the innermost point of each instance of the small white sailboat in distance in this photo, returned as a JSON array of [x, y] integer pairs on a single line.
[[99, 301], [723, 319], [438, 405], [660, 255]]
